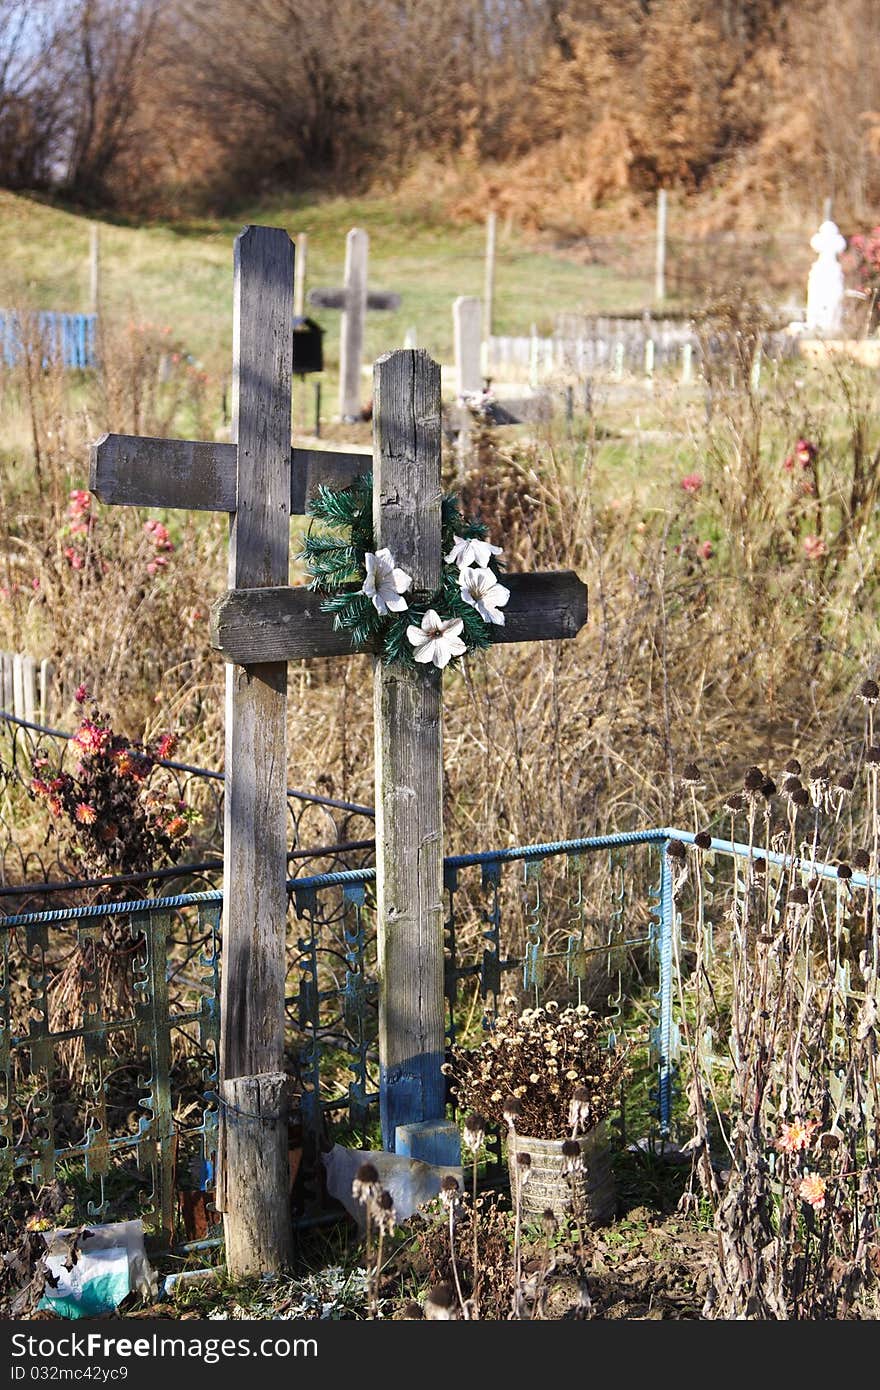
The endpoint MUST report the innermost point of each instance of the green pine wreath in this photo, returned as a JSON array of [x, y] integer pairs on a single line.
[[335, 559]]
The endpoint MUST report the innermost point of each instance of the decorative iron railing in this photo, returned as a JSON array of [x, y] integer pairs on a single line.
[[109, 1013]]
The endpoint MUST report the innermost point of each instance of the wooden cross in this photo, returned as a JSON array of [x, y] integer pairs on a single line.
[[354, 299], [259, 626]]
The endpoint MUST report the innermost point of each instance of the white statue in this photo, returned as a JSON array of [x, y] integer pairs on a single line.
[[825, 285]]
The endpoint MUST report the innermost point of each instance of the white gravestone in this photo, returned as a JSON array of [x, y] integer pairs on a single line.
[[825, 287]]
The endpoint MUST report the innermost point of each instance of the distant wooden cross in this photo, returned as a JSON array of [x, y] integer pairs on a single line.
[[260, 625], [354, 299]]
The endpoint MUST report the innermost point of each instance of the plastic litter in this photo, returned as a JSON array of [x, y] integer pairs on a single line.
[[411, 1182], [106, 1263]]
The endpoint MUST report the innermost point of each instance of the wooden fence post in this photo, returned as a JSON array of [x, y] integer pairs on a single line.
[[354, 313], [255, 830], [660, 261], [94, 267], [299, 284], [466, 312]]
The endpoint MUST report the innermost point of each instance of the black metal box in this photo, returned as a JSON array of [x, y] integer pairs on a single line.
[[308, 346]]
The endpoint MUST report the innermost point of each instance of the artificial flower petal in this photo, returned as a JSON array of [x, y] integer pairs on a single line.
[[471, 552]]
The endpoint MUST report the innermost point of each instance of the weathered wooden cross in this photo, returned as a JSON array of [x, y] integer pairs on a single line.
[[259, 626], [354, 299]]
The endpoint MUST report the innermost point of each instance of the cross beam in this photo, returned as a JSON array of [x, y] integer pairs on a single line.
[[252, 625], [137, 471]]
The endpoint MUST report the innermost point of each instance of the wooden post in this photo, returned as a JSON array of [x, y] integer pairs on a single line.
[[489, 280], [466, 336], [687, 358], [488, 291], [94, 267], [253, 1156], [660, 262], [255, 832], [409, 759], [351, 347], [299, 281]]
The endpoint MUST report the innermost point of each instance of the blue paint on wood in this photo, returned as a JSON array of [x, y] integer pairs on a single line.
[[70, 339], [437, 1142]]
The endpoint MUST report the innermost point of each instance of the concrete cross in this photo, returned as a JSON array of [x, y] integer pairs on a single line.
[[354, 299], [260, 625]]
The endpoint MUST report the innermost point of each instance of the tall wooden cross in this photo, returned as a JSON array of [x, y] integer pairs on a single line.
[[354, 299], [260, 625]]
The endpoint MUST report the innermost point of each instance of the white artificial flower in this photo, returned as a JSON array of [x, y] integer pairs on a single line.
[[384, 584], [480, 588], [471, 552], [438, 639]]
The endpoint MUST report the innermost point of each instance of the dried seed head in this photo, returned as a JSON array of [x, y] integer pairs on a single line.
[[820, 773], [862, 860], [549, 1224], [512, 1111], [844, 871], [793, 767], [759, 865], [768, 788], [870, 692], [691, 775], [412, 1311], [845, 782], [440, 1303], [366, 1183], [385, 1215], [872, 757], [474, 1132], [798, 896], [449, 1190], [800, 797], [523, 1167], [579, 1108], [703, 840], [791, 785], [754, 780], [735, 803], [572, 1156], [676, 850]]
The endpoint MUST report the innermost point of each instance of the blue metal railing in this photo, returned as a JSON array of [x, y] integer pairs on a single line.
[[70, 339], [331, 974]]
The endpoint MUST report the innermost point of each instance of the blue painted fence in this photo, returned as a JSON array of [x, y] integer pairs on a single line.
[[70, 339]]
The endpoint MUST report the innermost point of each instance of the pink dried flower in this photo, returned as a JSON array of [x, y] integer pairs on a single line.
[[81, 694], [805, 452], [812, 1189], [814, 547], [691, 483], [85, 814], [795, 1137], [705, 550]]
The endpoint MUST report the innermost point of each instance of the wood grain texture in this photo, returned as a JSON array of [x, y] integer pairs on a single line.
[[255, 808], [134, 471], [253, 625], [351, 342], [253, 1174], [407, 707], [255, 901]]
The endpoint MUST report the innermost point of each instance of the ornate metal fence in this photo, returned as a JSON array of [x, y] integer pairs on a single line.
[[109, 1014]]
